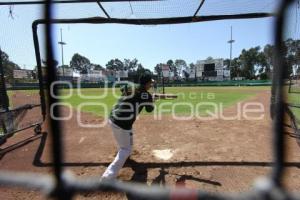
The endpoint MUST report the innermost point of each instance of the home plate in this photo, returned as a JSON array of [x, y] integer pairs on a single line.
[[164, 154]]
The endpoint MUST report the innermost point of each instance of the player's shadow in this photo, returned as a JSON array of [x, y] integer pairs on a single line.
[[180, 180], [161, 178], [139, 176], [141, 172]]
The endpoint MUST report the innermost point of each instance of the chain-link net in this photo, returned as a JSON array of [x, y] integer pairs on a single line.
[[65, 186], [292, 62]]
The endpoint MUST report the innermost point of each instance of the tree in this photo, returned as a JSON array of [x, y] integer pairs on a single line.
[[140, 69], [115, 65], [234, 65], [209, 58], [289, 62], [263, 76], [227, 63], [80, 63], [134, 68], [8, 67], [130, 65], [193, 69], [292, 56], [134, 75], [269, 51], [97, 67], [171, 65], [158, 69], [297, 53], [186, 75], [262, 66], [250, 60], [235, 68], [180, 65]]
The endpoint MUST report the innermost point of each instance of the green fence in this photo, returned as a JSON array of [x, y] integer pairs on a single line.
[[221, 83]]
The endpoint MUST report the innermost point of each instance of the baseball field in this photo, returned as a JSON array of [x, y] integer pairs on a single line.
[[192, 95], [216, 139]]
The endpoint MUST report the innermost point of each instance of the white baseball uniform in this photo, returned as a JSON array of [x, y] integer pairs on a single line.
[[125, 141]]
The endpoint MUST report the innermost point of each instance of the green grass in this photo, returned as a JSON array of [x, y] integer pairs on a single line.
[[225, 96], [99, 110], [293, 98]]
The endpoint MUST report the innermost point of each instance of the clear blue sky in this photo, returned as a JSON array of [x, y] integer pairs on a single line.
[[150, 45], [155, 44]]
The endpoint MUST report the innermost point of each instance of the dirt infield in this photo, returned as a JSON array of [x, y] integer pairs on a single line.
[[217, 155]]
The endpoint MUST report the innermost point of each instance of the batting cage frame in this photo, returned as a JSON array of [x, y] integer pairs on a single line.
[[65, 186], [10, 118], [292, 106], [293, 120]]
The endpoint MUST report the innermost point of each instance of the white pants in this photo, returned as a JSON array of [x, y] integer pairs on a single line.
[[124, 141]]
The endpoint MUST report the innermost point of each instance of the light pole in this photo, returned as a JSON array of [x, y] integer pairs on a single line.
[[230, 42], [62, 51]]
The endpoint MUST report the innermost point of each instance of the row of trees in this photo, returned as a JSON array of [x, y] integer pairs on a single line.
[[83, 65], [259, 61], [8, 66], [178, 67], [250, 63]]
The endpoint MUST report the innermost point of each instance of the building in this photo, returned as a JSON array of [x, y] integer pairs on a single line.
[[211, 70], [65, 73], [109, 75], [23, 74], [121, 75], [93, 76]]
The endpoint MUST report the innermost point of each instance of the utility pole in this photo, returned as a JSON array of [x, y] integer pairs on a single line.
[[230, 43], [62, 51]]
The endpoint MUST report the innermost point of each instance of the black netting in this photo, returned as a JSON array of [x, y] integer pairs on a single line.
[[160, 9], [156, 9], [85, 10], [292, 61], [19, 107], [12, 121], [231, 7], [3, 93], [65, 186]]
